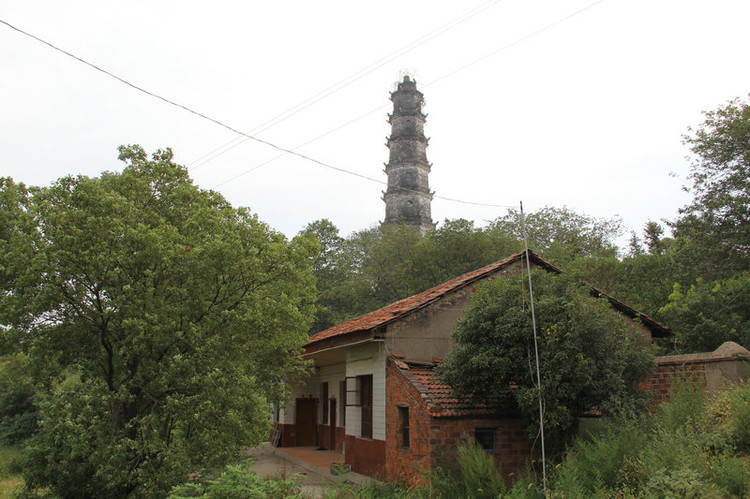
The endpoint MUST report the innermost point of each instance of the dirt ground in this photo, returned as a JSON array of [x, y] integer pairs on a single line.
[[269, 462]]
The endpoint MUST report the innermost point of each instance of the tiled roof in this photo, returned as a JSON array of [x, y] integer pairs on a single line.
[[439, 397], [403, 307]]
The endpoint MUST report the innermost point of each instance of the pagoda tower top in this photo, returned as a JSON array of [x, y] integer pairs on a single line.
[[408, 198]]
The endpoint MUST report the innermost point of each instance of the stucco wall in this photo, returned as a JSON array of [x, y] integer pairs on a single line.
[[362, 360], [310, 389], [426, 334]]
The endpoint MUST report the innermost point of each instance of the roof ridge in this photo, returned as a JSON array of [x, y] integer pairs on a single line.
[[394, 310]]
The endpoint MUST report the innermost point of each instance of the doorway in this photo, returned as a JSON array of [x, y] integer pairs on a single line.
[[306, 421]]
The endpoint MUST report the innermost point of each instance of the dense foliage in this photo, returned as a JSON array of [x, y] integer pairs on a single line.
[[374, 267], [691, 447], [591, 357], [161, 318], [236, 481], [18, 407], [145, 323]]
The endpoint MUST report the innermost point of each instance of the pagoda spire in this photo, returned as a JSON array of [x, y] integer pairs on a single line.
[[408, 197]]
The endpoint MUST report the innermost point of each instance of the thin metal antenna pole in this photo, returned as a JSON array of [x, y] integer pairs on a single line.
[[536, 352]]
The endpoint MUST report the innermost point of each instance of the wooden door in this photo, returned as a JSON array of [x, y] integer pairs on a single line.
[[306, 421]]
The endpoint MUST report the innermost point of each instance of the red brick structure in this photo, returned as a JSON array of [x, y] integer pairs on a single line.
[[709, 371], [374, 396], [438, 423]]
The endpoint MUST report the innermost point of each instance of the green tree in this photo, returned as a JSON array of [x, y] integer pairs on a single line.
[[165, 319], [714, 230], [345, 273], [560, 234], [708, 313], [457, 247], [18, 408], [590, 355], [388, 262]]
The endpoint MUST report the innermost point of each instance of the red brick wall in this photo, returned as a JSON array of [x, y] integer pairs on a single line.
[[406, 465], [324, 435], [434, 441], [340, 436], [288, 435], [660, 383], [365, 456]]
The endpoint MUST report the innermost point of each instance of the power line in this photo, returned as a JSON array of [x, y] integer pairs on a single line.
[[222, 124], [444, 76], [293, 151], [517, 41], [357, 75]]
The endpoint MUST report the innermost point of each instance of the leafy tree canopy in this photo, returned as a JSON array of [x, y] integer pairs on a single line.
[[708, 313], [715, 228], [561, 235], [590, 355], [163, 316]]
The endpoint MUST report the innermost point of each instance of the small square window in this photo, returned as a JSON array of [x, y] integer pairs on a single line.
[[485, 438]]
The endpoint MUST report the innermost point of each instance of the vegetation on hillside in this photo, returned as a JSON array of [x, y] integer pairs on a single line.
[[592, 357], [146, 323], [157, 322]]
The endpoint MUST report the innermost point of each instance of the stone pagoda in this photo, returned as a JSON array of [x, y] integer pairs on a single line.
[[408, 197]]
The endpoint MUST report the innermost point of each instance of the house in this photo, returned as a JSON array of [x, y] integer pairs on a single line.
[[374, 394]]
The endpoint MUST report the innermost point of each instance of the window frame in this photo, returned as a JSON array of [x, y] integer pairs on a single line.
[[404, 430], [487, 431]]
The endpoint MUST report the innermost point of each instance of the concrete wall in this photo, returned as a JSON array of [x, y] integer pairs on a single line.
[[361, 360], [710, 371], [426, 333]]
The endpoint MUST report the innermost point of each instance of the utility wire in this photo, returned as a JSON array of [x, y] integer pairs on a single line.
[[536, 352], [357, 75], [224, 125], [444, 76], [292, 151], [518, 41]]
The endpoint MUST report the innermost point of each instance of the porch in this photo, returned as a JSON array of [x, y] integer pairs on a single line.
[[310, 455]]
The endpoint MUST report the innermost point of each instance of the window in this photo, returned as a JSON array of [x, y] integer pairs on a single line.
[[365, 385], [485, 437], [403, 417], [353, 391], [359, 394], [324, 402]]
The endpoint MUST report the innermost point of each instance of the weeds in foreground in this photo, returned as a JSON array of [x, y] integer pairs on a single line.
[[691, 447], [237, 481], [10, 482]]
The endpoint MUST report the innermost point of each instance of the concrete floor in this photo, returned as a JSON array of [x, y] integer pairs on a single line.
[[313, 465]]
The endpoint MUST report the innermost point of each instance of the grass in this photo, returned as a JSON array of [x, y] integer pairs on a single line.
[[10, 484]]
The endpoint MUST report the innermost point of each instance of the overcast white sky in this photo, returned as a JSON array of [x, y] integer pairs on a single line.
[[587, 113]]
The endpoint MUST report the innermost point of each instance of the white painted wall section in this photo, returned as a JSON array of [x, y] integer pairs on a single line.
[[369, 358]]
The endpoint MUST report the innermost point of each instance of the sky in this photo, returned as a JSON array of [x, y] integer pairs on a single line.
[[575, 103]]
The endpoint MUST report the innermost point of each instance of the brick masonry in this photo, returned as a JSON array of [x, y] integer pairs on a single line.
[[435, 436], [708, 371], [434, 441], [365, 456], [659, 385]]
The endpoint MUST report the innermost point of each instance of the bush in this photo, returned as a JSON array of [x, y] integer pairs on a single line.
[[606, 461], [18, 409], [691, 447], [480, 476], [236, 481]]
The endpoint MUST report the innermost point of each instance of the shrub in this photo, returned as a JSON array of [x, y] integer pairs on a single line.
[[236, 481], [607, 461], [480, 475]]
